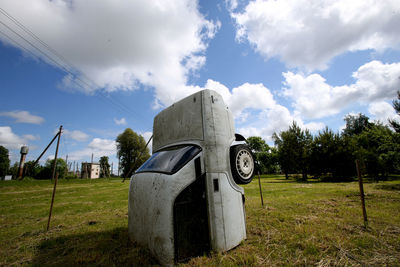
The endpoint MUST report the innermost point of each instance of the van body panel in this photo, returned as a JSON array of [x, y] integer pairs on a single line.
[[159, 202]]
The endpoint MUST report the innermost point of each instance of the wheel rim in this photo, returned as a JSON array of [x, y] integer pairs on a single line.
[[244, 164]]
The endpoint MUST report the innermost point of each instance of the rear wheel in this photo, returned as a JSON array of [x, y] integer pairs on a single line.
[[242, 164]]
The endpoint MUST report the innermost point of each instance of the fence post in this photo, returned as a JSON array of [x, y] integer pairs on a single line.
[[360, 183]]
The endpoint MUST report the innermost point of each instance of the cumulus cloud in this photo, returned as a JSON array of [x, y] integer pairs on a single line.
[[76, 135], [382, 111], [271, 116], [120, 44], [309, 34], [11, 140], [245, 96], [274, 120], [99, 147], [22, 116], [314, 98], [121, 121]]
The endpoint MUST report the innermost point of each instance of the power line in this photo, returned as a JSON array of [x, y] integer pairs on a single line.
[[64, 65]]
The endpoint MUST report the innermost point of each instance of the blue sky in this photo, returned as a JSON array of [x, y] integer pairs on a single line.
[[313, 62]]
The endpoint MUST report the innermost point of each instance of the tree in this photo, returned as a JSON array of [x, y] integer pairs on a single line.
[[104, 167], [266, 157], [257, 144], [396, 106], [46, 171], [130, 146], [323, 156], [356, 124], [13, 170], [294, 150], [32, 170], [4, 161], [378, 150], [332, 156]]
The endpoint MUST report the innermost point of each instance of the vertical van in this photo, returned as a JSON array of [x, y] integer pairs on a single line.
[[185, 200]]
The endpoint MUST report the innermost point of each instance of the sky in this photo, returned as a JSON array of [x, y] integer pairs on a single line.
[[99, 67]]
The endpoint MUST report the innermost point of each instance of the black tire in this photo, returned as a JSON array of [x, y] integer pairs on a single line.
[[242, 164]]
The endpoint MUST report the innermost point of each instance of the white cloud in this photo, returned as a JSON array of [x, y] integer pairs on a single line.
[[274, 120], [382, 111], [309, 34], [119, 44], [255, 96], [121, 121], [147, 136], [76, 135], [231, 4], [99, 147], [258, 99], [11, 140], [314, 98], [30, 137], [22, 116]]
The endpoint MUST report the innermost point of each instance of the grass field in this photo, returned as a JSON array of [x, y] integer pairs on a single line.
[[300, 224]]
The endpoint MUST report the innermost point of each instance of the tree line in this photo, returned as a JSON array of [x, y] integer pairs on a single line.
[[330, 155], [43, 172]]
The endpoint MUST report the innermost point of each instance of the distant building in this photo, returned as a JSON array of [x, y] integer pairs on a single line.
[[90, 170]]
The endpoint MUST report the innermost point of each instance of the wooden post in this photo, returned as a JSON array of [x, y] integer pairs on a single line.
[[360, 183], [52, 201], [259, 184], [55, 156]]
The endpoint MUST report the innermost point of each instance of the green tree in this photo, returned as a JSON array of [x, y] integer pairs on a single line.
[[13, 170], [266, 156], [378, 149], [46, 171], [396, 106], [294, 150], [104, 167], [257, 144], [356, 124], [32, 170], [130, 146], [4, 161], [332, 156]]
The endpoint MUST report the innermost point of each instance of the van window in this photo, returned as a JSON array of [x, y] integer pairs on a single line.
[[170, 160]]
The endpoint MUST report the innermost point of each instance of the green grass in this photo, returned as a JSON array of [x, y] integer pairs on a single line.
[[300, 224]]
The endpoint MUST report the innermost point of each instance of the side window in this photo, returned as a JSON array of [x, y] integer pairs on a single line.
[[170, 160]]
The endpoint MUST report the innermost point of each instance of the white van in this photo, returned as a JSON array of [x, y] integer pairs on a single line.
[[184, 200]]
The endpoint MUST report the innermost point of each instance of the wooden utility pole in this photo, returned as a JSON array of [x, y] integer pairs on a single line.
[[55, 157], [360, 183], [56, 177], [52, 202]]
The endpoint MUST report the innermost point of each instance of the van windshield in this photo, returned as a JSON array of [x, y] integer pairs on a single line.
[[170, 160]]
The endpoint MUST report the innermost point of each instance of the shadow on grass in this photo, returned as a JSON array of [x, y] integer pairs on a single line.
[[390, 187], [109, 248]]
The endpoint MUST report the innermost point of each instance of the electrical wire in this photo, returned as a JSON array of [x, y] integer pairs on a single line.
[[64, 65]]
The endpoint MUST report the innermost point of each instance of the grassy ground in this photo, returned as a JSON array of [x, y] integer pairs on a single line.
[[300, 224]]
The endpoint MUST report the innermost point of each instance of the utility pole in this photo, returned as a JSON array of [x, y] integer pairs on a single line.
[[55, 157], [112, 167], [52, 177]]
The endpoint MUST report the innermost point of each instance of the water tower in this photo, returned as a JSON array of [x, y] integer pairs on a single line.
[[24, 151]]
